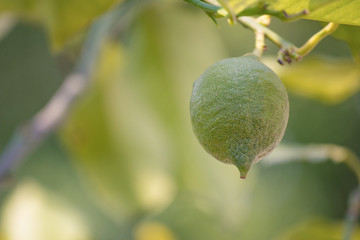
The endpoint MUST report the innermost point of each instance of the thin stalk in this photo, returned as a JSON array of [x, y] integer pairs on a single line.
[[259, 43], [288, 51], [352, 214], [316, 38], [251, 23], [353, 163]]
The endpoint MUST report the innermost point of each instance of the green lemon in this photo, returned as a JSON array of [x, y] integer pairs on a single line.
[[239, 111]]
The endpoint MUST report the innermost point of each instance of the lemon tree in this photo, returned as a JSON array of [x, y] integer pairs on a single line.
[[129, 139]]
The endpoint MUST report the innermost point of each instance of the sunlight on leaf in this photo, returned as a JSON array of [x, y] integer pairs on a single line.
[[155, 189], [153, 231], [301, 5], [344, 12], [239, 5], [32, 213]]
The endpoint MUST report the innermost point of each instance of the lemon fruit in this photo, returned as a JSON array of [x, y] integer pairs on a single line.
[[239, 111]]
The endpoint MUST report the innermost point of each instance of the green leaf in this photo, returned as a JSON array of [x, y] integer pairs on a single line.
[[291, 8], [62, 18], [210, 15], [343, 12], [237, 6], [350, 34]]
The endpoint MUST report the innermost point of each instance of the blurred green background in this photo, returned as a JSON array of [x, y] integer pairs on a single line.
[[125, 163]]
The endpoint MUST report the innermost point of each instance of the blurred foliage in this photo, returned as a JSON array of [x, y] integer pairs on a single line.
[[88, 135], [29, 77], [62, 18], [153, 231], [351, 34], [126, 165], [317, 228], [31, 212], [329, 80]]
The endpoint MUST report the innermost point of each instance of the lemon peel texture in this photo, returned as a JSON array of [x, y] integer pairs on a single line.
[[239, 111]]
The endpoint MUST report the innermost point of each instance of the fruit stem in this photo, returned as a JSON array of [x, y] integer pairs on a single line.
[[259, 43], [316, 38], [287, 49]]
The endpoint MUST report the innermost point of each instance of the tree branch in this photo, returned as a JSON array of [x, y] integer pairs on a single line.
[[288, 51], [31, 134], [352, 214]]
